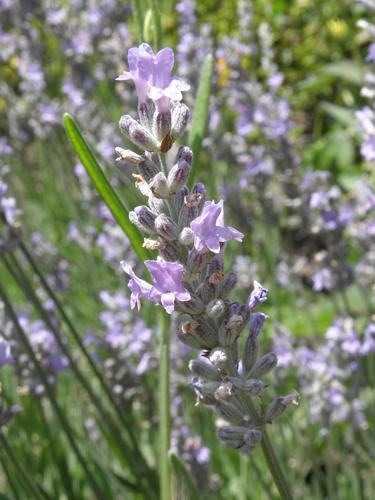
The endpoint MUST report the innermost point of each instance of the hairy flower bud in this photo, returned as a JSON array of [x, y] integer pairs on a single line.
[[256, 323], [179, 198], [144, 219], [197, 333], [193, 306], [264, 365], [180, 119], [159, 186], [258, 295], [252, 437], [252, 386], [185, 153], [230, 281], [165, 227], [197, 261], [178, 176], [146, 112], [140, 136], [204, 369], [230, 412], [170, 251], [232, 436], [229, 330], [148, 169], [161, 125]]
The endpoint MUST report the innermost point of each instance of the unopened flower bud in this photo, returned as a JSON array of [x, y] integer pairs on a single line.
[[264, 365], [232, 432], [159, 186], [250, 353], [179, 198], [230, 412], [215, 309], [229, 330], [192, 306], [185, 153], [252, 386], [229, 283], [197, 261], [207, 291], [256, 323], [140, 136], [207, 335], [186, 237], [161, 126], [165, 227], [279, 405], [178, 176], [169, 251], [252, 437], [148, 169], [146, 112], [204, 369], [180, 119], [144, 219]]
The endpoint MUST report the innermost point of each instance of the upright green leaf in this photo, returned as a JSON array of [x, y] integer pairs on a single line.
[[157, 32], [104, 188], [138, 17], [200, 113], [183, 485]]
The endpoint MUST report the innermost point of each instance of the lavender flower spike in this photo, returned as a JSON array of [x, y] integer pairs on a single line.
[[139, 288], [168, 285], [209, 230], [152, 76]]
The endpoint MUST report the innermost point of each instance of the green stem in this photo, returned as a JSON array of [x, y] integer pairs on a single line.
[[51, 395], [242, 493], [31, 487], [164, 408], [268, 451]]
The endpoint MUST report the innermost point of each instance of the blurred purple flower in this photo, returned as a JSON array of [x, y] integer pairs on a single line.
[[5, 353]]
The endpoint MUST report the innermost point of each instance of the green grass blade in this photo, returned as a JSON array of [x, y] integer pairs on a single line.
[[157, 33], [183, 486], [105, 190], [138, 18], [200, 113]]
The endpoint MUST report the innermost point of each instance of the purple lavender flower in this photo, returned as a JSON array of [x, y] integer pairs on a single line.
[[138, 287], [258, 295], [168, 285], [152, 75], [5, 353], [209, 230]]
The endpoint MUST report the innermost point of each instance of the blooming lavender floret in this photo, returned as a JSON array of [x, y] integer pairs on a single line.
[[152, 76], [209, 230], [168, 285]]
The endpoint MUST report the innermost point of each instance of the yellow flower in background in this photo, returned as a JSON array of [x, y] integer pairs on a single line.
[[224, 72], [338, 28]]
